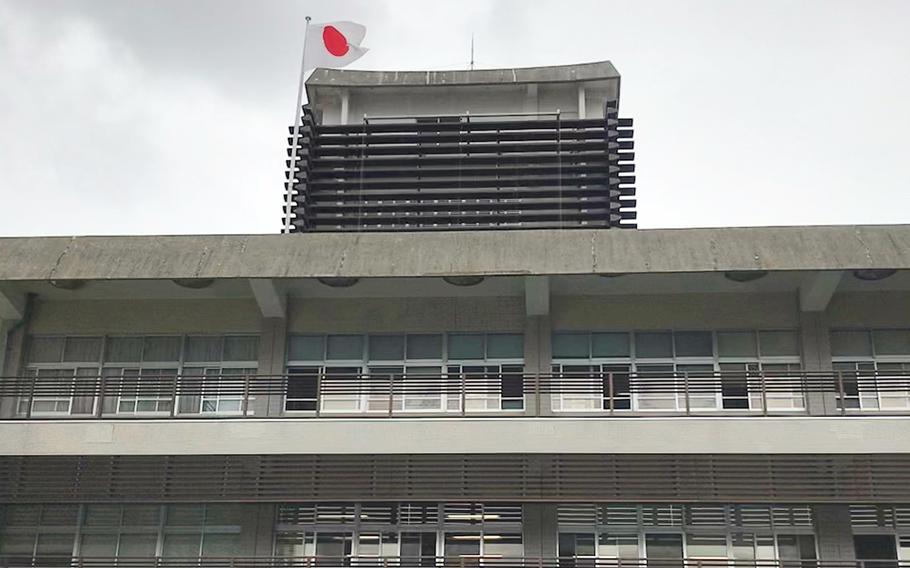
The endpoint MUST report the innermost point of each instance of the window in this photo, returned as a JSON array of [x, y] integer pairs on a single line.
[[669, 533], [416, 373], [718, 370], [201, 374], [414, 532], [64, 369], [873, 368]]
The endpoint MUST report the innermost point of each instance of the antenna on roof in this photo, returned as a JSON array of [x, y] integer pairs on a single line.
[[472, 51]]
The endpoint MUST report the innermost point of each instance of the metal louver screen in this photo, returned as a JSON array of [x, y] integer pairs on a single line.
[[694, 516], [879, 516], [774, 479], [462, 172]]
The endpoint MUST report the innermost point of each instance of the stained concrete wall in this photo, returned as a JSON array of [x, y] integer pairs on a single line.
[[414, 315], [676, 311], [99, 317]]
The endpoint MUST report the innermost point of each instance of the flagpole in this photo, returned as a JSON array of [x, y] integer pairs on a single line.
[[289, 197]]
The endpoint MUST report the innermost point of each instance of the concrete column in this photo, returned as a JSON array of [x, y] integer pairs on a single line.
[[345, 105], [816, 352], [539, 527], [834, 532], [5, 326], [11, 350], [538, 358], [272, 345], [582, 100]]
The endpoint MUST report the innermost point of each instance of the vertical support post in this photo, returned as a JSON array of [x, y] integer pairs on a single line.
[[842, 393], [318, 393], [102, 388], [345, 106], [391, 390], [246, 394], [31, 396], [612, 392], [289, 195], [764, 393], [686, 392], [464, 394], [581, 101], [536, 394]]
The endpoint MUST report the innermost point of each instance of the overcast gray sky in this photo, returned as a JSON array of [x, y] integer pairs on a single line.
[[169, 116]]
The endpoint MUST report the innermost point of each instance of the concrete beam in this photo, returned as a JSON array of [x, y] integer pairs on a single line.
[[434, 254], [816, 291], [537, 295], [272, 302], [12, 305], [716, 435]]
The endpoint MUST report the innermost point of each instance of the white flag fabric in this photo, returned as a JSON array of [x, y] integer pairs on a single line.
[[333, 44]]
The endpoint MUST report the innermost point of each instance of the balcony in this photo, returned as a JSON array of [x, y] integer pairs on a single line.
[[324, 393]]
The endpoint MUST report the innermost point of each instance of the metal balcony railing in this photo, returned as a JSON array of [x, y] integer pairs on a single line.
[[429, 562], [328, 393]]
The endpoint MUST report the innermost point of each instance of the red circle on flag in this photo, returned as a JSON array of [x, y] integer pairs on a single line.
[[334, 41]]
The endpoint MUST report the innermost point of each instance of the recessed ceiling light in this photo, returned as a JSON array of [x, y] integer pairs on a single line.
[[339, 281], [194, 283], [612, 274], [871, 274], [745, 275], [68, 284], [463, 280]]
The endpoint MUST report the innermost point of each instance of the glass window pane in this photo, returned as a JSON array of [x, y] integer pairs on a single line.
[[306, 348], [618, 546], [571, 345], [53, 544], [98, 546], [45, 350], [462, 544], [386, 347], [19, 544], [141, 515], [241, 348], [82, 349], [223, 514], [138, 545], [102, 515], [706, 546], [220, 544], [347, 347], [161, 349], [465, 346], [779, 343], [124, 349], [203, 348], [59, 515], [185, 515], [610, 344], [651, 345], [21, 515], [851, 343], [182, 545], [736, 344], [425, 346], [694, 344], [891, 341], [502, 545], [505, 346]]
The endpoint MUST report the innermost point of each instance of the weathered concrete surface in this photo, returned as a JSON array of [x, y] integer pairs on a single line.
[[594, 71], [796, 435], [487, 253]]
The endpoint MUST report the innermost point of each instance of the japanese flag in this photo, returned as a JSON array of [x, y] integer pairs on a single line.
[[334, 44]]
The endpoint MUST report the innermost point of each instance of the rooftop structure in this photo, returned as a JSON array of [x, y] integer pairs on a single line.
[[453, 150]]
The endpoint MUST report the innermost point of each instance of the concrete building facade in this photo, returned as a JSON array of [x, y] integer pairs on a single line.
[[549, 397]]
